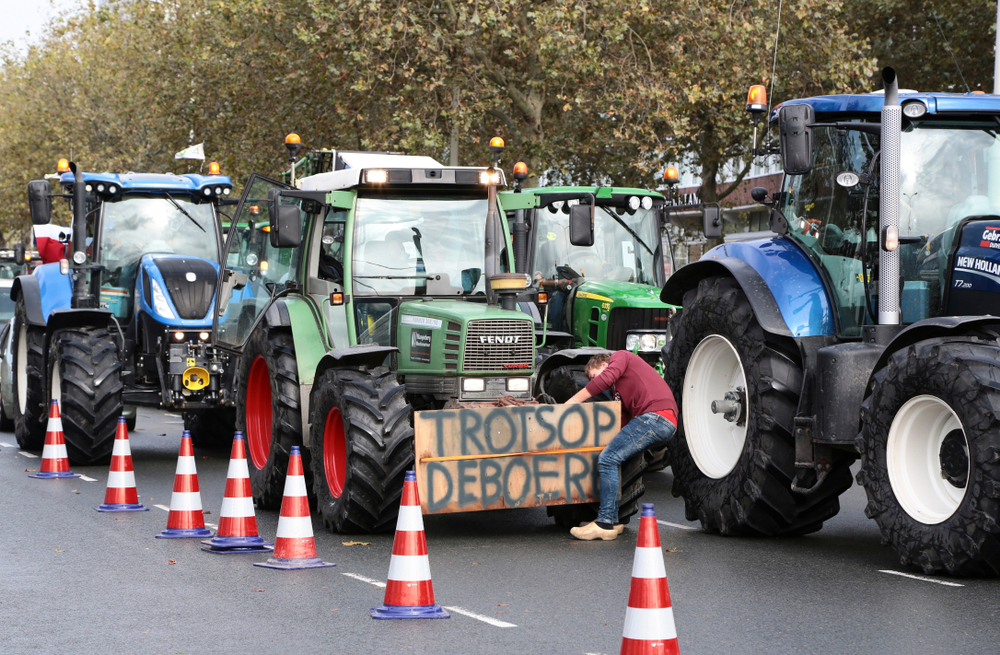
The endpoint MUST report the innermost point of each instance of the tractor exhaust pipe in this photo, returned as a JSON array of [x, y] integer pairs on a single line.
[[81, 298], [888, 277]]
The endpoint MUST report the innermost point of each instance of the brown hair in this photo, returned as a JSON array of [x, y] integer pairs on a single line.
[[597, 360]]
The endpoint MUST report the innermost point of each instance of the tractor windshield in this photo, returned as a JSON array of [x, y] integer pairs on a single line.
[[137, 224], [419, 245], [626, 245], [948, 171]]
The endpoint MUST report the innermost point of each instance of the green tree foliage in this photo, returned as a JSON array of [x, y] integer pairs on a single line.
[[915, 36], [607, 90]]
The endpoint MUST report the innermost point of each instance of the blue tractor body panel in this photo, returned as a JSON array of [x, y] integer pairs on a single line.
[[936, 103], [158, 182], [56, 288], [792, 279]]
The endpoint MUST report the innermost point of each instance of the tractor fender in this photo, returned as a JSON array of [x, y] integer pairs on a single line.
[[368, 356], [932, 328], [568, 357], [44, 291], [785, 291], [78, 318], [26, 287]]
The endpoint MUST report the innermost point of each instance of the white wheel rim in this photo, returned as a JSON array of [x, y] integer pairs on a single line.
[[715, 443], [22, 368], [56, 391], [914, 462]]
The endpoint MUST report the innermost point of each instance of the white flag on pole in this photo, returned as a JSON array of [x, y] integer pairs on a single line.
[[192, 152]]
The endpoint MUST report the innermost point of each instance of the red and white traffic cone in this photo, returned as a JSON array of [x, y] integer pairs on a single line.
[[237, 531], [186, 518], [649, 619], [121, 495], [294, 545], [55, 461], [409, 593]]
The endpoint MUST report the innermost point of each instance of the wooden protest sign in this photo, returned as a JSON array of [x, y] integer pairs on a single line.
[[504, 457]]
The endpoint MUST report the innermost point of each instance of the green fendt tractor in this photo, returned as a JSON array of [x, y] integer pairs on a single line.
[[377, 270], [602, 294]]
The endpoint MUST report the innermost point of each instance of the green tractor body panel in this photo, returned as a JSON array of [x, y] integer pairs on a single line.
[[440, 337], [626, 306], [310, 343]]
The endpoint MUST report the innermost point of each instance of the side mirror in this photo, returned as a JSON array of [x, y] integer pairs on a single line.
[[759, 195], [796, 138], [40, 202], [664, 215], [711, 221], [581, 225], [19, 252], [286, 223]]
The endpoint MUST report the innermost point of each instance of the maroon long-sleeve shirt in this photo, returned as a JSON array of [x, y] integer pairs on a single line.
[[637, 385]]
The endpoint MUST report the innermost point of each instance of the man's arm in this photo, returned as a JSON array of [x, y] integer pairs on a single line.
[[579, 397]]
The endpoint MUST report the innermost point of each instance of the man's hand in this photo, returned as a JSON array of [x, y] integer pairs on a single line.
[[579, 397]]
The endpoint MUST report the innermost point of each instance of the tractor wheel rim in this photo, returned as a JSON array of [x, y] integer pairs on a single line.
[[259, 413], [918, 433], [334, 452], [22, 369], [714, 442]]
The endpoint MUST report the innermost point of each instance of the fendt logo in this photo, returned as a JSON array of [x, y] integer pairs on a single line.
[[501, 340]]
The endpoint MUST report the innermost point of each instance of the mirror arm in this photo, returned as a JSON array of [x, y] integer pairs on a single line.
[[843, 126]]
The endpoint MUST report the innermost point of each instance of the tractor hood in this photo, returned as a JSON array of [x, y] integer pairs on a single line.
[[620, 294], [177, 290], [451, 337]]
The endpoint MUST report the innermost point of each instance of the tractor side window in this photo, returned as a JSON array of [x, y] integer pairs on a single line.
[[331, 252]]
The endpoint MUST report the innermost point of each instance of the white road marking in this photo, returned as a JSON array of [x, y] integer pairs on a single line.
[[7, 445], [21, 452], [364, 579], [479, 617], [678, 525], [922, 578], [163, 507], [86, 479]]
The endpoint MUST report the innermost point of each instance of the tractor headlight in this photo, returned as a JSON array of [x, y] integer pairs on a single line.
[[647, 202], [634, 202], [517, 384], [645, 342], [473, 384], [204, 336], [160, 304]]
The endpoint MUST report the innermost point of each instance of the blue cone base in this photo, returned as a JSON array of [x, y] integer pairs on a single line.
[[290, 564], [409, 612], [233, 545], [50, 475], [185, 533], [123, 507]]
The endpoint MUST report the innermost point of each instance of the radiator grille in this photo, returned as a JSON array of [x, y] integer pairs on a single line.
[[623, 319], [512, 346]]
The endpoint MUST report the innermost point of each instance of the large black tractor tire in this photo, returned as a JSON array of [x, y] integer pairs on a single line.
[[930, 455], [735, 476], [267, 411], [28, 376], [85, 376], [211, 429], [570, 516], [361, 442]]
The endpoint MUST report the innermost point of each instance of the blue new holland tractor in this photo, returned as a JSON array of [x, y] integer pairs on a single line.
[[126, 315], [867, 325]]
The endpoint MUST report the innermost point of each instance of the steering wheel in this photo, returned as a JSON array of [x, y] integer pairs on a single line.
[[567, 273]]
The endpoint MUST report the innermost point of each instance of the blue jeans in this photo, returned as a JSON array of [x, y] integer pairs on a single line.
[[639, 434]]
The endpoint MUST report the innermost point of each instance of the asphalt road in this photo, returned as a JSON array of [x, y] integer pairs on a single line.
[[76, 580]]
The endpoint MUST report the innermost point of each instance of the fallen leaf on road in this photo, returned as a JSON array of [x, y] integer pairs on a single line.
[[163, 435], [171, 561], [334, 609], [503, 604], [258, 590], [58, 551], [672, 550], [356, 543], [205, 512], [475, 563], [30, 470]]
